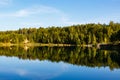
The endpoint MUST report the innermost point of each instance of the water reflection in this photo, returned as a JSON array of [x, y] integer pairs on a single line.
[[79, 56], [15, 69]]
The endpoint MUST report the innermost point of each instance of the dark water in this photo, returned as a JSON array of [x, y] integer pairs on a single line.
[[59, 63]]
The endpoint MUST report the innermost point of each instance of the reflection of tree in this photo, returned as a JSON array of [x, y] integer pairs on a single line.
[[74, 55]]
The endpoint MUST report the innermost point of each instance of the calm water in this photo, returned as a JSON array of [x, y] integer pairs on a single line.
[[59, 63]]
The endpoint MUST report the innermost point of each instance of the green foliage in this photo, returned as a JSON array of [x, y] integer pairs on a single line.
[[115, 36], [75, 34]]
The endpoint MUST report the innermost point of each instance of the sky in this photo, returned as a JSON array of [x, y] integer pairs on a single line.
[[15, 14]]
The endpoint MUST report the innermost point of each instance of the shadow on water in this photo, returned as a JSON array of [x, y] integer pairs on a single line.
[[80, 56]]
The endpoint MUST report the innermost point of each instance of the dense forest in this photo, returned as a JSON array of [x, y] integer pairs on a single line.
[[80, 56], [75, 34]]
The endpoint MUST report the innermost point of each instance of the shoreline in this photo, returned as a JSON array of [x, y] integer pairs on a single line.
[[36, 44], [98, 45]]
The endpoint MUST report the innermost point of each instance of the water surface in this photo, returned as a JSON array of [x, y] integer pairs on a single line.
[[59, 63]]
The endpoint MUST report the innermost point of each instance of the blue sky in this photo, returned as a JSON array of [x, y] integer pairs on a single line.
[[15, 14]]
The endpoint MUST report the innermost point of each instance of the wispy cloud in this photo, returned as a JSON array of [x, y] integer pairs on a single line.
[[5, 2], [32, 11], [67, 20], [21, 72], [38, 15]]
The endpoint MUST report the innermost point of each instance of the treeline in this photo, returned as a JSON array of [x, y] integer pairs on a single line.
[[75, 34], [80, 56]]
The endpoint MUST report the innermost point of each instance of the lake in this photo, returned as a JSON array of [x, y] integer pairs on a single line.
[[59, 63]]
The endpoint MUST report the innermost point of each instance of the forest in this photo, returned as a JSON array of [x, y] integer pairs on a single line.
[[76, 34]]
